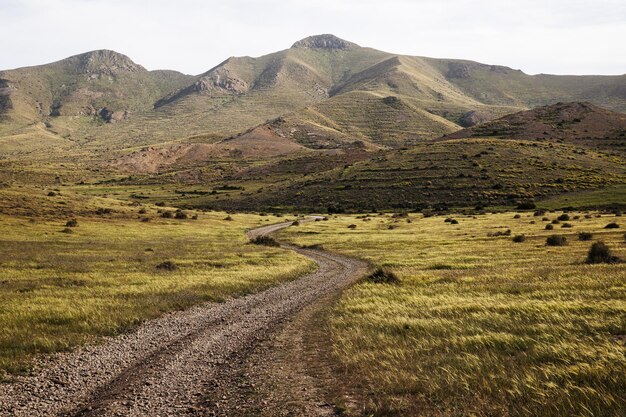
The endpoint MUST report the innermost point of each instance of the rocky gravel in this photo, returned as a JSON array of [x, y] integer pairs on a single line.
[[189, 363]]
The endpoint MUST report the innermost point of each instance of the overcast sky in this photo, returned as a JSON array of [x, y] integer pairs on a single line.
[[536, 36]]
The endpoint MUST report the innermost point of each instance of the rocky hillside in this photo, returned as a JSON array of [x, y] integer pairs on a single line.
[[576, 123], [326, 91]]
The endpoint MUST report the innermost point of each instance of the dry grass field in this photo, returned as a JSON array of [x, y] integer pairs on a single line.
[[63, 286], [478, 324]]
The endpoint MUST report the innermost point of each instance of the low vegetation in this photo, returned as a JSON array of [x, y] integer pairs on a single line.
[[478, 327], [60, 290]]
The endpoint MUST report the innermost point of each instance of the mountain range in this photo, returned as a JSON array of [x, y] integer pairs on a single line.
[[324, 98]]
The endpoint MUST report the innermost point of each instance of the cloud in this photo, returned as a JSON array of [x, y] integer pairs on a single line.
[[557, 36]]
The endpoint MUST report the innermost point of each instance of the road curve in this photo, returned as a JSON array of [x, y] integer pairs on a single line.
[[171, 365]]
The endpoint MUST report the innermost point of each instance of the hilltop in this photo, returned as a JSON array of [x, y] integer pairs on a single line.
[[575, 123]]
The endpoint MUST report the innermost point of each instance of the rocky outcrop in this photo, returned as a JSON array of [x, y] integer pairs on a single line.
[[458, 70], [324, 42], [5, 96], [110, 116], [472, 118], [105, 62]]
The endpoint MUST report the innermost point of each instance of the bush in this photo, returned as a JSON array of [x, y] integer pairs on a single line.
[[556, 240], [72, 223], [526, 205], [229, 218], [295, 223], [519, 238], [567, 225], [517, 216], [382, 276], [352, 226], [67, 230], [145, 219], [585, 236], [549, 226], [52, 194], [556, 221], [563, 217], [612, 225], [142, 211], [167, 215], [181, 215], [102, 210], [167, 266], [600, 253], [264, 240]]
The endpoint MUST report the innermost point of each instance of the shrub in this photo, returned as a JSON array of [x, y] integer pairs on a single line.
[[72, 223], [585, 236], [517, 216], [352, 226], [454, 221], [556, 221], [102, 210], [556, 240], [549, 226], [600, 253], [382, 276], [142, 211], [145, 219], [194, 217], [295, 223], [563, 217], [52, 194], [229, 218], [167, 266], [167, 215], [519, 238], [264, 240], [567, 225], [526, 205], [67, 230], [181, 215], [612, 225]]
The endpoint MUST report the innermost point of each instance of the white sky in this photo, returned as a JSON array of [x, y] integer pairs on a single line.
[[549, 36]]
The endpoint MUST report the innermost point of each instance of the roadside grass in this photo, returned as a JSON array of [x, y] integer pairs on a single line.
[[479, 325], [60, 290]]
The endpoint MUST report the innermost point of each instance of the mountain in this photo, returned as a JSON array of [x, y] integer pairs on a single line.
[[84, 85], [327, 92]]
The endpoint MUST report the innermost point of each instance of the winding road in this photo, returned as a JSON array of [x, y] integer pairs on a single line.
[[210, 360]]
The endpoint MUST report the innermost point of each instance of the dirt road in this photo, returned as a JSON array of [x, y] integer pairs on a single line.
[[225, 359]]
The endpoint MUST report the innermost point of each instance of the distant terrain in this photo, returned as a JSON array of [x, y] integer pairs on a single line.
[[325, 123]]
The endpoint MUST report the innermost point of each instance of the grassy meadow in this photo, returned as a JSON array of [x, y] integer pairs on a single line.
[[63, 286], [479, 325]]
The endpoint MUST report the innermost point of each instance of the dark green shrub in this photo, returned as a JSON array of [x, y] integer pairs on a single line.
[[72, 223], [167, 215], [295, 223], [352, 226], [612, 225], [382, 276], [600, 253], [229, 218], [517, 216], [549, 226], [563, 217], [526, 205], [519, 238], [52, 194], [264, 240], [181, 215], [585, 236], [567, 225], [556, 240]]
